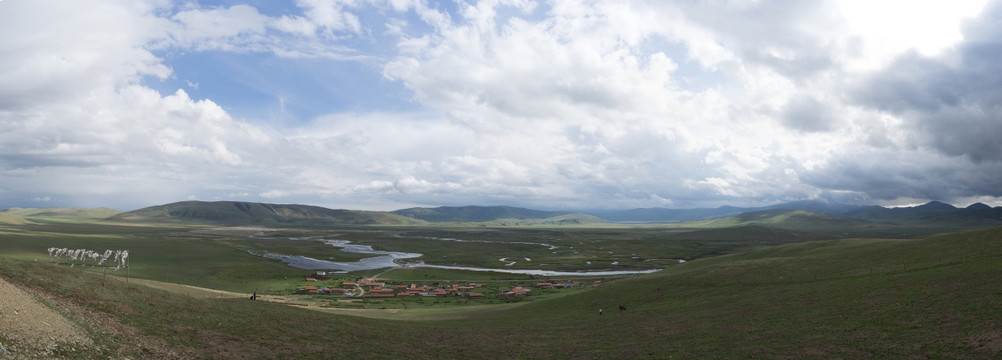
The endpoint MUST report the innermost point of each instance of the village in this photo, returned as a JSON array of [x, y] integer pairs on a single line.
[[367, 288]]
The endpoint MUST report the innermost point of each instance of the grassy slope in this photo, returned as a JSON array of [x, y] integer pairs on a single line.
[[474, 213], [24, 216], [157, 252], [560, 220], [885, 223], [13, 220], [67, 213], [841, 298], [230, 213], [935, 297], [787, 219]]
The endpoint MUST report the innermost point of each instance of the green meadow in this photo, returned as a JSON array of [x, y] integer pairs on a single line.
[[745, 292], [222, 258]]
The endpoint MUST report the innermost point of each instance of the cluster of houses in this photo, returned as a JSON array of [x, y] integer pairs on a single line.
[[368, 288], [381, 290], [371, 289]]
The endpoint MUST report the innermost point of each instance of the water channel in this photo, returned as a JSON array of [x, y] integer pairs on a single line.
[[387, 259]]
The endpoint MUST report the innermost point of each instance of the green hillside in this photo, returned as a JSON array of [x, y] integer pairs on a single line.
[[13, 220], [572, 219], [935, 297], [233, 213], [786, 219], [559, 220], [926, 219], [807, 221], [858, 298], [475, 213], [63, 213]]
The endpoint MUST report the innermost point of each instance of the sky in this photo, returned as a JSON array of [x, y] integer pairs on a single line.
[[390, 104]]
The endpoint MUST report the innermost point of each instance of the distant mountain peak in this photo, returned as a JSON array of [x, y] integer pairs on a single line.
[[936, 205], [978, 206]]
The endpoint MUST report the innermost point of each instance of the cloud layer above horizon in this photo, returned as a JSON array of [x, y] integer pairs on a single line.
[[385, 104]]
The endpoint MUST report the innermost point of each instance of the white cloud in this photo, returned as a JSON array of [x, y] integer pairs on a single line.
[[575, 104], [295, 25], [241, 28], [577, 80], [218, 28], [331, 14], [888, 28], [70, 48]]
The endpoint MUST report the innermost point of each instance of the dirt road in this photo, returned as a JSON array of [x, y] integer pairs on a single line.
[[30, 328]]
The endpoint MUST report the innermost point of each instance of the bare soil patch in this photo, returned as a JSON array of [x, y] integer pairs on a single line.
[[36, 324], [30, 328], [989, 340]]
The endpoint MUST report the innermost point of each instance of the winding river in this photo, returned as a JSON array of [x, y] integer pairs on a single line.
[[387, 259], [384, 260]]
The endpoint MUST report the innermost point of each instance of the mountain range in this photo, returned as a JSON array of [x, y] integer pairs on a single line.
[[233, 213], [975, 213], [802, 215]]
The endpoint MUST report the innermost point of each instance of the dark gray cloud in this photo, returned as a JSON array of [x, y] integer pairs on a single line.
[[888, 175], [894, 174], [951, 103]]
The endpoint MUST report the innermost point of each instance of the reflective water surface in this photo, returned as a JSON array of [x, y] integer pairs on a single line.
[[388, 259]]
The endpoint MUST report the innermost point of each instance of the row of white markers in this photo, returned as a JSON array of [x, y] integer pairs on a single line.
[[119, 258]]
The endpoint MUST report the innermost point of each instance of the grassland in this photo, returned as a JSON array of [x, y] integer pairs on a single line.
[[746, 293], [220, 258]]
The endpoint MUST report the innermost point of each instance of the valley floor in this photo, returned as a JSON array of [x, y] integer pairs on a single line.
[[935, 297]]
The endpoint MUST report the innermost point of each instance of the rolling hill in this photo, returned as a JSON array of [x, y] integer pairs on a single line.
[[569, 219], [930, 218], [801, 216], [681, 215], [668, 215], [475, 213], [976, 215], [64, 213], [231, 213], [800, 220], [879, 222], [851, 298]]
